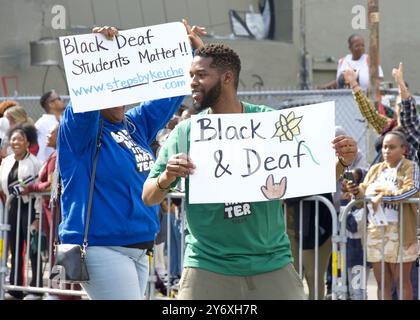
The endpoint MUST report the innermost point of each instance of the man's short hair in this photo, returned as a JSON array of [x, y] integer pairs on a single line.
[[44, 100], [224, 58]]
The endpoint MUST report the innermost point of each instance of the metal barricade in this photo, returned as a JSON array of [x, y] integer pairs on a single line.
[[170, 288], [334, 243], [342, 289], [40, 287]]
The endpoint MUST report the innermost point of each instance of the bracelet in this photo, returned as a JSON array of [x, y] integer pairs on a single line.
[[159, 186], [354, 86], [341, 162]]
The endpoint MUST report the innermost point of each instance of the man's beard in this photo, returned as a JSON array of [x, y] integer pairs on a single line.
[[210, 98]]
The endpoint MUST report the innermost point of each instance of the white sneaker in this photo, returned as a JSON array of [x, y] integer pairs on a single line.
[[52, 297], [32, 296]]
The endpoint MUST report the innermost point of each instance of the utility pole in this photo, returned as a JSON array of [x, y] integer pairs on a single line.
[[373, 20], [373, 91], [303, 72]]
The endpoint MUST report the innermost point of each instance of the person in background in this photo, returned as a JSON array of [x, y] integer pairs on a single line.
[[17, 167], [159, 250], [4, 123], [53, 105], [187, 113], [354, 246], [356, 60], [409, 119], [174, 249], [17, 115], [389, 182], [380, 123], [359, 161], [44, 182]]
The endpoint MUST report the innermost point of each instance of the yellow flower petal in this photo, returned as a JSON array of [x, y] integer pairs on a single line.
[[278, 133], [290, 116], [294, 122], [289, 135], [283, 120], [295, 131]]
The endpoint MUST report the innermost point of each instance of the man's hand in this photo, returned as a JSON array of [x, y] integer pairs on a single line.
[[107, 31], [345, 149], [273, 190], [194, 34]]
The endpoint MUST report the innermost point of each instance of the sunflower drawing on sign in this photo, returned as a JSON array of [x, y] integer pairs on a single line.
[[287, 128]]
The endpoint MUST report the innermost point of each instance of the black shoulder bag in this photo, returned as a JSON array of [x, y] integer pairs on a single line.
[[71, 257]]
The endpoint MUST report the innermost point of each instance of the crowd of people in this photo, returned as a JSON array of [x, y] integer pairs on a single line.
[[134, 158], [27, 164]]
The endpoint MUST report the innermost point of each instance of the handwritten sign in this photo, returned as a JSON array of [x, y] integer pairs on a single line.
[[137, 65], [263, 156]]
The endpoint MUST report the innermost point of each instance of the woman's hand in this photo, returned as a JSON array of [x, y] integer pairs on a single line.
[[376, 201], [381, 189], [350, 77], [107, 31], [179, 165], [398, 74], [194, 34], [25, 190]]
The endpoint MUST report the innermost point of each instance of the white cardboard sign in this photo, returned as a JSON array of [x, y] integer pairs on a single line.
[[137, 65], [263, 156]]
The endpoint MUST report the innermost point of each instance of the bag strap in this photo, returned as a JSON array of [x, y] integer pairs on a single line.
[[92, 185]]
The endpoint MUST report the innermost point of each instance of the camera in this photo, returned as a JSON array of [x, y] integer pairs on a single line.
[[348, 176]]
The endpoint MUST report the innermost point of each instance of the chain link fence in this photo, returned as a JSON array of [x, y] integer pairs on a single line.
[[347, 113]]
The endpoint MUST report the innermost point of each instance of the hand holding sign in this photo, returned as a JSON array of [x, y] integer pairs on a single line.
[[133, 65], [194, 33], [273, 190], [179, 165], [106, 31]]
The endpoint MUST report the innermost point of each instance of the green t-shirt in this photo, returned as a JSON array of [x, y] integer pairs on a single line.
[[240, 239]]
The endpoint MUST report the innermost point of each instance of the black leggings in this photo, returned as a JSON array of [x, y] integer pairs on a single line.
[[19, 244]]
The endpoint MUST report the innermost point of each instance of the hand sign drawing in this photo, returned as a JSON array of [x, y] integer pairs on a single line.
[[273, 190]]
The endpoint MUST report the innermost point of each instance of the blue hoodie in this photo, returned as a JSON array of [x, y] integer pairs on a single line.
[[118, 215]]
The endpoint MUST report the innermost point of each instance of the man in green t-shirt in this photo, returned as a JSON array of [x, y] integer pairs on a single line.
[[233, 250]]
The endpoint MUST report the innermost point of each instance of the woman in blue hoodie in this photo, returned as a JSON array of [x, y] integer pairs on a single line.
[[122, 229]]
